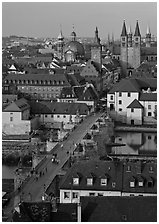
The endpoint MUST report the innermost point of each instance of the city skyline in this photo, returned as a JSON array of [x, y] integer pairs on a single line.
[[83, 15]]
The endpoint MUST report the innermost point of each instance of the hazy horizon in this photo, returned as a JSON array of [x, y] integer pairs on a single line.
[[39, 19]]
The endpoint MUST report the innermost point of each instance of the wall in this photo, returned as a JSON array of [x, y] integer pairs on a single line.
[[146, 110], [130, 57], [85, 193], [136, 116]]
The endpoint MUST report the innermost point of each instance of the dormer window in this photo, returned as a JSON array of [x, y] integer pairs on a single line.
[[128, 168], [141, 183], [103, 182], [90, 181], [132, 183], [75, 181]]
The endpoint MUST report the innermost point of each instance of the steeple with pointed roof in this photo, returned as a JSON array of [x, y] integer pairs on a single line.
[[137, 30], [124, 32], [148, 37]]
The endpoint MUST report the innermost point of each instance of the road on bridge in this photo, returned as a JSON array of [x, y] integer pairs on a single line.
[[34, 188]]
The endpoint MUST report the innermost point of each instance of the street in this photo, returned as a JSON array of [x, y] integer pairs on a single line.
[[34, 189]]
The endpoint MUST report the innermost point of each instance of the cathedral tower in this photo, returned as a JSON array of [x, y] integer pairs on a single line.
[[124, 48], [137, 47], [130, 49]]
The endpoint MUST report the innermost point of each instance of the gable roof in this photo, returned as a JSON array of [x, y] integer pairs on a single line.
[[135, 104], [148, 97], [17, 106], [60, 79], [125, 85], [44, 107], [97, 169]]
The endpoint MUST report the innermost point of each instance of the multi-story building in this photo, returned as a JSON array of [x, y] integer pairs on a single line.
[[133, 99], [50, 112], [16, 118], [108, 178], [38, 86]]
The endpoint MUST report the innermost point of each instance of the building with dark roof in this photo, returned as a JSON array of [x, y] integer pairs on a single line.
[[118, 209], [50, 112], [80, 94], [127, 96], [108, 178], [38, 86]]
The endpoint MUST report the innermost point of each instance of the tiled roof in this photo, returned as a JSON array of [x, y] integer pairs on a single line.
[[135, 104], [134, 85], [148, 97], [60, 79], [119, 175], [97, 169], [17, 106], [125, 85], [58, 108], [67, 92], [148, 51], [119, 209], [138, 170]]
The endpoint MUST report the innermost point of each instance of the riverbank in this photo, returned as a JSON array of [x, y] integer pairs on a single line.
[[135, 128]]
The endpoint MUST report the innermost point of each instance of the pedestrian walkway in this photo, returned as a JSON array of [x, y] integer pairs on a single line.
[[35, 187]]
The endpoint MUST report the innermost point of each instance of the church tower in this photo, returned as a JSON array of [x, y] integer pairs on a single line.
[[130, 49], [124, 48], [137, 47], [148, 37], [60, 45], [96, 49]]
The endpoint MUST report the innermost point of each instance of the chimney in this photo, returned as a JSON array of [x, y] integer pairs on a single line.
[[79, 212]]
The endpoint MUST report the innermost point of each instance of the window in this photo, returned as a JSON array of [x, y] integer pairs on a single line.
[[92, 194], [155, 107], [103, 182], [151, 169], [45, 115], [120, 94], [75, 195], [136, 39], [58, 116], [120, 101], [111, 97], [89, 181], [75, 181], [64, 116], [123, 38], [100, 194], [11, 113], [149, 107], [113, 184], [132, 183], [150, 183], [66, 195], [141, 184], [52, 115], [149, 114], [129, 94], [11, 118], [149, 137], [132, 110], [120, 109], [128, 168]]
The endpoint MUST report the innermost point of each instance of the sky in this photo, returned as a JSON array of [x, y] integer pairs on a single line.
[[43, 19]]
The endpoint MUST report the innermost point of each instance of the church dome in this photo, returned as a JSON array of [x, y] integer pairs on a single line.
[[76, 47]]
